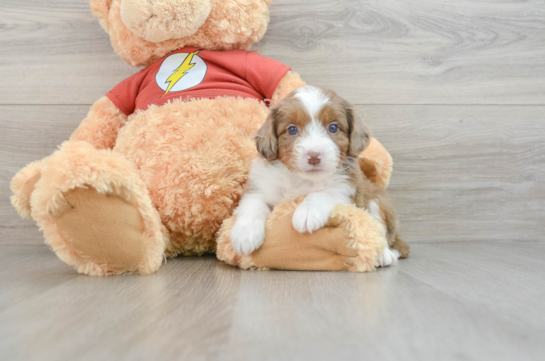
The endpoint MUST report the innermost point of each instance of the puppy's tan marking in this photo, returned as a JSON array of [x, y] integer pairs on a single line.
[[353, 136]]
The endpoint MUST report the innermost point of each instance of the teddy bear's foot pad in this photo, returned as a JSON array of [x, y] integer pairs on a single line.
[[96, 213], [104, 229]]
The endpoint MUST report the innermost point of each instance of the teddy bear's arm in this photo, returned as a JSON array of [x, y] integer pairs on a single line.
[[376, 163], [289, 82], [351, 240], [101, 125]]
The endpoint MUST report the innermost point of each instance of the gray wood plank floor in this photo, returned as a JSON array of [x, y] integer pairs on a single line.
[[453, 301]]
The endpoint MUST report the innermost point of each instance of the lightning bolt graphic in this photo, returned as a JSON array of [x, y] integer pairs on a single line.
[[180, 71]]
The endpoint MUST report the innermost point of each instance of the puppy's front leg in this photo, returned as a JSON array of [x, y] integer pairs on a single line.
[[387, 257], [313, 213], [249, 230]]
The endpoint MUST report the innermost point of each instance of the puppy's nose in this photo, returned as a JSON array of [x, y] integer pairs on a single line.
[[314, 158]]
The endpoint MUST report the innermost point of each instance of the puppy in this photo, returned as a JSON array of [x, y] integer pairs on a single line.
[[309, 146]]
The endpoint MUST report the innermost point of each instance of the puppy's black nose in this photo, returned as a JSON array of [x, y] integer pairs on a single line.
[[314, 158]]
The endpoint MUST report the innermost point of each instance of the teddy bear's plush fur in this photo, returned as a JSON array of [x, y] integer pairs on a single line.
[[126, 191]]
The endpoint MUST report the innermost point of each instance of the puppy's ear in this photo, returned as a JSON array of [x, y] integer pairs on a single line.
[[266, 139], [359, 133]]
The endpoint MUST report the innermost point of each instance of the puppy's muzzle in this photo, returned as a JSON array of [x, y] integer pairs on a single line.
[[314, 158]]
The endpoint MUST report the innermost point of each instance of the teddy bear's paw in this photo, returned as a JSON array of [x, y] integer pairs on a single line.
[[388, 257], [96, 212], [247, 235], [104, 229], [309, 218]]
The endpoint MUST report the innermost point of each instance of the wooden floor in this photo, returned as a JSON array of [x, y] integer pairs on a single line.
[[451, 301], [454, 90]]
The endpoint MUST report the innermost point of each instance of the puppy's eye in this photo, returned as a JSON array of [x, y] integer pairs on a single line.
[[333, 128], [292, 130]]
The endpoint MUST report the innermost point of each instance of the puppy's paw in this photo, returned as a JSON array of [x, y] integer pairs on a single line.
[[308, 218], [247, 236], [387, 257]]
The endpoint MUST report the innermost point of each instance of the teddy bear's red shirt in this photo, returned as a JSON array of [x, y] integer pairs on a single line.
[[190, 73]]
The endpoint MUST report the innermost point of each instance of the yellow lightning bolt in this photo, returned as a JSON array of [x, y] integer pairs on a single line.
[[181, 71]]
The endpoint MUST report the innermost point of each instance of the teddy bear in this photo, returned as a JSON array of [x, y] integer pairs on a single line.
[[159, 163]]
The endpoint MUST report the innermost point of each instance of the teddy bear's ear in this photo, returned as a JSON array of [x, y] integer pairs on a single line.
[[101, 9]]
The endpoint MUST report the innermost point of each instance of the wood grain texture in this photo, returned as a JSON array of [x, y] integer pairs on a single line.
[[461, 173], [29, 133], [380, 52], [55, 52], [201, 309], [496, 278], [465, 173]]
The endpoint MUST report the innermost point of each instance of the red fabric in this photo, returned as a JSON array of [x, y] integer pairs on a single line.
[[182, 75]]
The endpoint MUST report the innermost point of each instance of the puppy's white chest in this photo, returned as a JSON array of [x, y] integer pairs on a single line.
[[301, 188], [275, 183]]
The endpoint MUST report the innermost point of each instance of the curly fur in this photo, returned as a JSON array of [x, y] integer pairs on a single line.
[[194, 182], [22, 186], [101, 125], [162, 20]]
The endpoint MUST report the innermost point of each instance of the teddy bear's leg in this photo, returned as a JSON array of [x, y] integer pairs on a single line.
[[96, 213]]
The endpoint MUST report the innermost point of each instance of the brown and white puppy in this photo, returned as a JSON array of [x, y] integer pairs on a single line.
[[309, 146]]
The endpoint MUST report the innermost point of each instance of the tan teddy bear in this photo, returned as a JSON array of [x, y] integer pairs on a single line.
[[160, 162]]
